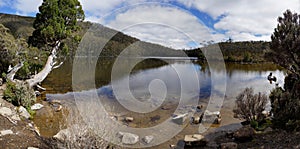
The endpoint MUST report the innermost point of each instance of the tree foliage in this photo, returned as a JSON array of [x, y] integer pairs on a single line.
[[249, 106], [286, 51], [55, 22], [286, 41]]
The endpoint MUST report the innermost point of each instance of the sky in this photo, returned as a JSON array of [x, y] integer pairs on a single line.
[[178, 23]]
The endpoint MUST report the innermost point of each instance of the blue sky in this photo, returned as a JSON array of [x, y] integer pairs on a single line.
[[178, 23]]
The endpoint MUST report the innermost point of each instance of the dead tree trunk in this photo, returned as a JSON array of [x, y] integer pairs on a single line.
[[41, 76]]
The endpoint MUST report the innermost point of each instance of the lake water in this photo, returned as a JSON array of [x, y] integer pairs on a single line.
[[152, 91]]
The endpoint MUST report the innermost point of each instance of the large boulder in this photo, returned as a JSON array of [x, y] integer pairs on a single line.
[[244, 134]]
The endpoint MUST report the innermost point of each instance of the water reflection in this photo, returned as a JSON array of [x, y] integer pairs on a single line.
[[237, 77]]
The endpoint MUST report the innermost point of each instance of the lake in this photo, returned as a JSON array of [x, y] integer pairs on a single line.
[[151, 92]]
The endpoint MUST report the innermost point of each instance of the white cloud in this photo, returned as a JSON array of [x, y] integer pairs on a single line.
[[26, 7], [164, 25], [245, 18]]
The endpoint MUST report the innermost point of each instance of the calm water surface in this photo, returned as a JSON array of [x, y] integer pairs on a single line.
[[157, 83]]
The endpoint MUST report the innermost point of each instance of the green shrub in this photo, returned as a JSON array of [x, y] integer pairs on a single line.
[[285, 104], [19, 94]]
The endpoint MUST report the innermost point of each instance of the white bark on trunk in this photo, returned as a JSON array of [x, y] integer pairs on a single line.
[[12, 72], [41, 76]]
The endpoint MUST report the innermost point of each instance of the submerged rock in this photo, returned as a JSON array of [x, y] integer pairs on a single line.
[[148, 139], [129, 138], [179, 119]]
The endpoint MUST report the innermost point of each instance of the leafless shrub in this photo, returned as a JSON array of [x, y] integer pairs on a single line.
[[249, 106], [78, 135]]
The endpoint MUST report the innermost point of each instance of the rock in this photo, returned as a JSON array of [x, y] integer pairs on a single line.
[[199, 108], [4, 111], [15, 117], [1, 81], [6, 132], [229, 145], [128, 119], [217, 121], [172, 146], [37, 106], [129, 138], [23, 112], [148, 139], [244, 134], [179, 119], [58, 108], [62, 135], [267, 130], [32, 148], [266, 113], [196, 120], [37, 93], [212, 117], [195, 140]]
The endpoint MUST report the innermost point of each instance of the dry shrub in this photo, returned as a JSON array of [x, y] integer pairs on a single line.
[[249, 106]]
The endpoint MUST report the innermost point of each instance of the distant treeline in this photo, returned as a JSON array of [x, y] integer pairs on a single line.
[[246, 51]]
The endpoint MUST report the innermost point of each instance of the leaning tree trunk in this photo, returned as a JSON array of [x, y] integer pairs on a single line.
[[41, 76], [49, 66]]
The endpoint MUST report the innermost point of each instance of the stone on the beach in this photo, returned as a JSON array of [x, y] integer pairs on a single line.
[[129, 138], [212, 117], [23, 112], [15, 117], [196, 120], [244, 134], [148, 139], [195, 140], [6, 132], [4, 111], [217, 121], [128, 119], [32, 148], [37, 106], [229, 145], [179, 119], [62, 135]]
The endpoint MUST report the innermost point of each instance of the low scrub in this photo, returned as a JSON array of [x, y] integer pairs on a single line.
[[249, 106], [19, 94]]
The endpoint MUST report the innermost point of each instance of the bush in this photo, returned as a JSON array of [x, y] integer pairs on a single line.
[[249, 106], [19, 94], [286, 104]]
